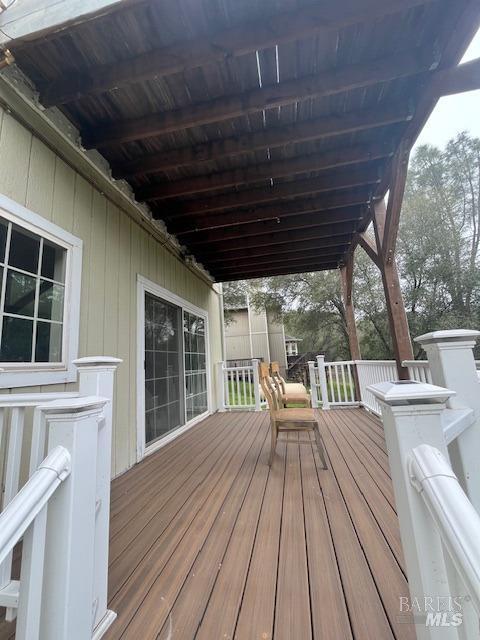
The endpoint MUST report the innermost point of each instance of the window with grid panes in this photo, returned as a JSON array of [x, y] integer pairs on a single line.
[[32, 300]]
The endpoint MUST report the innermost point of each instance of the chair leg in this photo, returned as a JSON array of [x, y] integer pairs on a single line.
[[320, 447], [273, 444]]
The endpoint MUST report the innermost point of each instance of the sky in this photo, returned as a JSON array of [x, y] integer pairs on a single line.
[[454, 113]]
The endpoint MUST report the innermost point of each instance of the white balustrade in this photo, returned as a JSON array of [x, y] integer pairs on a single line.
[[72, 551], [439, 526], [240, 387]]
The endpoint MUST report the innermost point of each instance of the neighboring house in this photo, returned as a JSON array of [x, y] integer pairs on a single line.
[[291, 345], [250, 333]]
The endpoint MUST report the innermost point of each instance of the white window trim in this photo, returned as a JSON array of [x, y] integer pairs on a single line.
[[144, 285], [34, 374]]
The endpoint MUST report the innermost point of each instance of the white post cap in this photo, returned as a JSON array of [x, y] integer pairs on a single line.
[[449, 335], [97, 361], [409, 392]]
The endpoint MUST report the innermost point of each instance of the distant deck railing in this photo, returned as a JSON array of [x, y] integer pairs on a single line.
[[240, 387]]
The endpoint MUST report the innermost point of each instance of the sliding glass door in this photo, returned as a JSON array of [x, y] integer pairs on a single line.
[[164, 395], [175, 365]]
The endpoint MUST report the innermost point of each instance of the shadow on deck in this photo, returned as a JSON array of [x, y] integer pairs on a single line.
[[208, 542]]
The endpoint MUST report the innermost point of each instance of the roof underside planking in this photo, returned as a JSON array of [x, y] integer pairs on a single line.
[[258, 131]]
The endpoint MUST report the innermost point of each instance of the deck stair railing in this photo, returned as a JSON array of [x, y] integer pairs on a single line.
[[432, 432], [56, 500], [239, 387]]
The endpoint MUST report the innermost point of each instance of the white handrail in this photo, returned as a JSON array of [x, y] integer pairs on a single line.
[[457, 521], [240, 390], [30, 500]]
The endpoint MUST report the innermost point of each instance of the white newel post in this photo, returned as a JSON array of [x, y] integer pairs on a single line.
[[97, 378], [411, 414], [452, 365], [68, 602], [256, 384], [221, 386], [322, 376], [313, 384]]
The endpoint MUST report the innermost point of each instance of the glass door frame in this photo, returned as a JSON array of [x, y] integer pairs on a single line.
[[144, 285]]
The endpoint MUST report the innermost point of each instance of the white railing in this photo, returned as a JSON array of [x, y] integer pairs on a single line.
[[240, 387], [73, 550], [437, 486], [372, 372]]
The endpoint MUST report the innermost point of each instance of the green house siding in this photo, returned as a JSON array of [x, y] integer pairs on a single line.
[[116, 249]]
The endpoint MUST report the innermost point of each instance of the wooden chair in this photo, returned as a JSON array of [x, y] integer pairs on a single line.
[[281, 419], [292, 393]]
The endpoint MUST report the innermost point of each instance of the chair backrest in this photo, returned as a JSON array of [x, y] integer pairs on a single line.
[[279, 381], [268, 387]]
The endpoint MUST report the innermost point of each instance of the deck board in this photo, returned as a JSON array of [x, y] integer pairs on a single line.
[[208, 542]]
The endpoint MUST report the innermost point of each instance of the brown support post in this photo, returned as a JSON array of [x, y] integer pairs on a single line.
[[346, 278], [402, 345]]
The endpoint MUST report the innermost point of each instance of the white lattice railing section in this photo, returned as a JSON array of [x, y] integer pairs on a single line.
[[67, 454], [240, 387]]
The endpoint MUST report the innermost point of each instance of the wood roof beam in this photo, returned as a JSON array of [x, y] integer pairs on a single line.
[[331, 82], [340, 234], [324, 127], [268, 253], [459, 79], [273, 212], [331, 219], [292, 258], [350, 177], [230, 276], [335, 157], [395, 199], [240, 40]]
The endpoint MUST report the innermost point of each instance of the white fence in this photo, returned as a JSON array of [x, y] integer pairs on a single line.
[[57, 462], [345, 383], [240, 387]]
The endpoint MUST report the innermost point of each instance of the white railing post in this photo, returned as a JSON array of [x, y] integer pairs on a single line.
[[96, 378], [256, 384], [313, 384], [411, 414], [68, 607], [221, 386], [322, 377], [452, 365]]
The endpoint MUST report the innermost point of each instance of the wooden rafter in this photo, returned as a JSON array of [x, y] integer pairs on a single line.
[[341, 234], [333, 81], [317, 246], [349, 177], [325, 127], [276, 211], [459, 79], [246, 38], [284, 258], [266, 171], [265, 273], [330, 219]]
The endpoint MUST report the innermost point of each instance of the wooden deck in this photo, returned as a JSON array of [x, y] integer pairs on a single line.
[[209, 543]]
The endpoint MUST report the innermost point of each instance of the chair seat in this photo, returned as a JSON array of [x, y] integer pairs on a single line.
[[303, 417], [298, 398], [295, 387]]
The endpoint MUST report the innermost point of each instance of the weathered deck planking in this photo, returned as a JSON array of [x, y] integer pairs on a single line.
[[208, 542]]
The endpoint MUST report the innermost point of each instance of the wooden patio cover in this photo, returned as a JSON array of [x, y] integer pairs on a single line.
[[259, 131]]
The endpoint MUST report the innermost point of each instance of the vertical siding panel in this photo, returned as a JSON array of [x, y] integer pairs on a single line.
[[96, 293], [136, 268], [82, 220], [41, 178], [63, 195], [15, 145], [123, 426]]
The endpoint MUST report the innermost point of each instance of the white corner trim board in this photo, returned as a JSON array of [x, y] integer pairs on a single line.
[[32, 374]]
